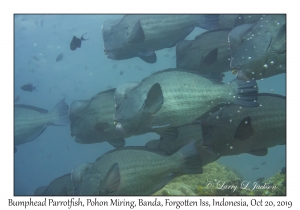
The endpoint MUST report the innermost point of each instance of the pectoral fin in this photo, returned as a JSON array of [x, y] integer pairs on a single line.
[[211, 57], [244, 129], [117, 142], [111, 181], [149, 59], [154, 100], [169, 134]]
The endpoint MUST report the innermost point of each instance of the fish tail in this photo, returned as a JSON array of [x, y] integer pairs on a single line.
[[247, 92], [192, 159], [209, 22], [61, 111]]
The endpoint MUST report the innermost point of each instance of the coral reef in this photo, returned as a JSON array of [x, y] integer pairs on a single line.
[[217, 179]]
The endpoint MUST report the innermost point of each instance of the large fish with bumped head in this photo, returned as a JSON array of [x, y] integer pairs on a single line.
[[259, 50], [142, 35], [208, 53], [234, 130], [92, 120], [30, 121], [173, 97], [138, 171]]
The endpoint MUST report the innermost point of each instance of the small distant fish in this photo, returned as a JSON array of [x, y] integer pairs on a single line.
[[28, 87], [42, 23], [263, 163], [35, 58], [76, 42], [283, 170], [255, 168], [17, 99], [260, 179], [59, 57], [121, 72]]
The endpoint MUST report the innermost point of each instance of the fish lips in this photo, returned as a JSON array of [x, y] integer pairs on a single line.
[[109, 54], [120, 128]]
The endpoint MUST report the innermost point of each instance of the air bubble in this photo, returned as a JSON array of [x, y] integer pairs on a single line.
[[249, 57], [272, 90], [246, 122], [272, 62], [231, 147], [266, 66], [253, 72], [230, 120], [217, 117]]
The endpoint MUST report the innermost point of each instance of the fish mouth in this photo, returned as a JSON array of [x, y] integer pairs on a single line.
[[119, 127], [109, 54]]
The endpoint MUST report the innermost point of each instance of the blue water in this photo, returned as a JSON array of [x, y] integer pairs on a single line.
[[79, 76]]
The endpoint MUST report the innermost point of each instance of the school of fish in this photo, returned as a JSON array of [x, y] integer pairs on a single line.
[[198, 117]]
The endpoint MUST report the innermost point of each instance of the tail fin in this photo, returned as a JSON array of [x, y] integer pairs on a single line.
[[192, 159], [61, 111], [247, 92], [209, 22]]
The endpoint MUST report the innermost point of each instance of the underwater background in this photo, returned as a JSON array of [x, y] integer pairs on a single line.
[[38, 40]]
